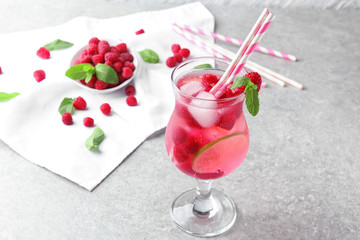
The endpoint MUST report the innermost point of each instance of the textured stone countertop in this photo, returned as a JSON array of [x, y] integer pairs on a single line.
[[300, 179]]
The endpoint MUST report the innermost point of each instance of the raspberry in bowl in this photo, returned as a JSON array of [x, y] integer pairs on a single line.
[[117, 55]]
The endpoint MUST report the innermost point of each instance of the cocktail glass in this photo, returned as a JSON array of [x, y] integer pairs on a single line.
[[206, 138]]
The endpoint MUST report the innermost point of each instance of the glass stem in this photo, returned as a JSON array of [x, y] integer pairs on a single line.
[[203, 200]]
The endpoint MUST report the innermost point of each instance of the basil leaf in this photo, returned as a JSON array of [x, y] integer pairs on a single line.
[[93, 142], [67, 106], [149, 56], [58, 44], [202, 66], [106, 73], [7, 96], [78, 72]]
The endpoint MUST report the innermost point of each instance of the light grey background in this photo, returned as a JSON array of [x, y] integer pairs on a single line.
[[300, 179]]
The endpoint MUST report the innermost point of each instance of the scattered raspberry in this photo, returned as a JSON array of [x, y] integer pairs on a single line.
[[141, 31], [131, 101], [171, 62], [67, 118], [0, 71], [105, 108], [94, 40], [100, 85], [88, 122], [184, 52], [79, 103], [111, 57], [126, 72], [178, 57], [92, 48], [43, 53], [117, 66], [39, 75], [130, 90], [97, 59], [126, 56], [122, 47], [255, 79], [175, 48]]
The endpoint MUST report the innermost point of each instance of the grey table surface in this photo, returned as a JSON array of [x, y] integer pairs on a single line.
[[300, 179]]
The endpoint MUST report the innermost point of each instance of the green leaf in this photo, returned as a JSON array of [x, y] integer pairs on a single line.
[[240, 81], [93, 142], [106, 73], [58, 44], [78, 72], [149, 56], [202, 66], [88, 77], [7, 96], [252, 99], [67, 106]]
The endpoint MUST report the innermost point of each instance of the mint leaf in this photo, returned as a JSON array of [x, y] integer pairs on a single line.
[[78, 72], [67, 106], [240, 81], [93, 142], [58, 44], [106, 73], [252, 99], [7, 96], [149, 56], [202, 66], [88, 77]]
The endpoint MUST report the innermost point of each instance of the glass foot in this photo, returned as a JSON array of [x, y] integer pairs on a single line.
[[212, 223]]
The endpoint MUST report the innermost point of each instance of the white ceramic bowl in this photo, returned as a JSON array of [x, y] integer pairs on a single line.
[[107, 90]]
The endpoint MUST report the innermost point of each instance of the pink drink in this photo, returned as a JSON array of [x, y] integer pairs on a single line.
[[205, 138]]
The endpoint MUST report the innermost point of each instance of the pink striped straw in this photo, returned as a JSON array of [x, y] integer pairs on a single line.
[[238, 42], [249, 50], [218, 51]]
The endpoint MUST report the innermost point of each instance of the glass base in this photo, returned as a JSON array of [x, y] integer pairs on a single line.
[[215, 222]]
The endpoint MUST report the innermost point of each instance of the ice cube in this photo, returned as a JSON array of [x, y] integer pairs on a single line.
[[203, 111], [192, 88]]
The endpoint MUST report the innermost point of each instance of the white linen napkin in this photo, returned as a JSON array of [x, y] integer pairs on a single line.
[[30, 123]]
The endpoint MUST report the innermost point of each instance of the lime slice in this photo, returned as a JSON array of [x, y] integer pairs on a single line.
[[219, 155]]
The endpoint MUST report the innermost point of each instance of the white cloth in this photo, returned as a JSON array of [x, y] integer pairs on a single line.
[[30, 123]]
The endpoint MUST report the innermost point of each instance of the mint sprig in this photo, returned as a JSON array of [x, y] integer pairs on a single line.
[[251, 94], [67, 106], [85, 71], [7, 96], [93, 142], [149, 56], [58, 44]]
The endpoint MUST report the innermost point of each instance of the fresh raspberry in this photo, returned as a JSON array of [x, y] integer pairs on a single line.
[[184, 52], [79, 103], [105, 108], [184, 152], [85, 58], [227, 121], [39, 75], [179, 135], [97, 59], [100, 85], [108, 63], [209, 78], [88, 122], [126, 56], [94, 40], [129, 65], [233, 92], [255, 79], [130, 90], [114, 50], [178, 57], [0, 71], [126, 72], [67, 118], [91, 83], [77, 61], [131, 101], [120, 78], [103, 47], [92, 48], [82, 81], [117, 66], [171, 62], [141, 31], [175, 48], [43, 53], [122, 47], [111, 85], [111, 57]]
